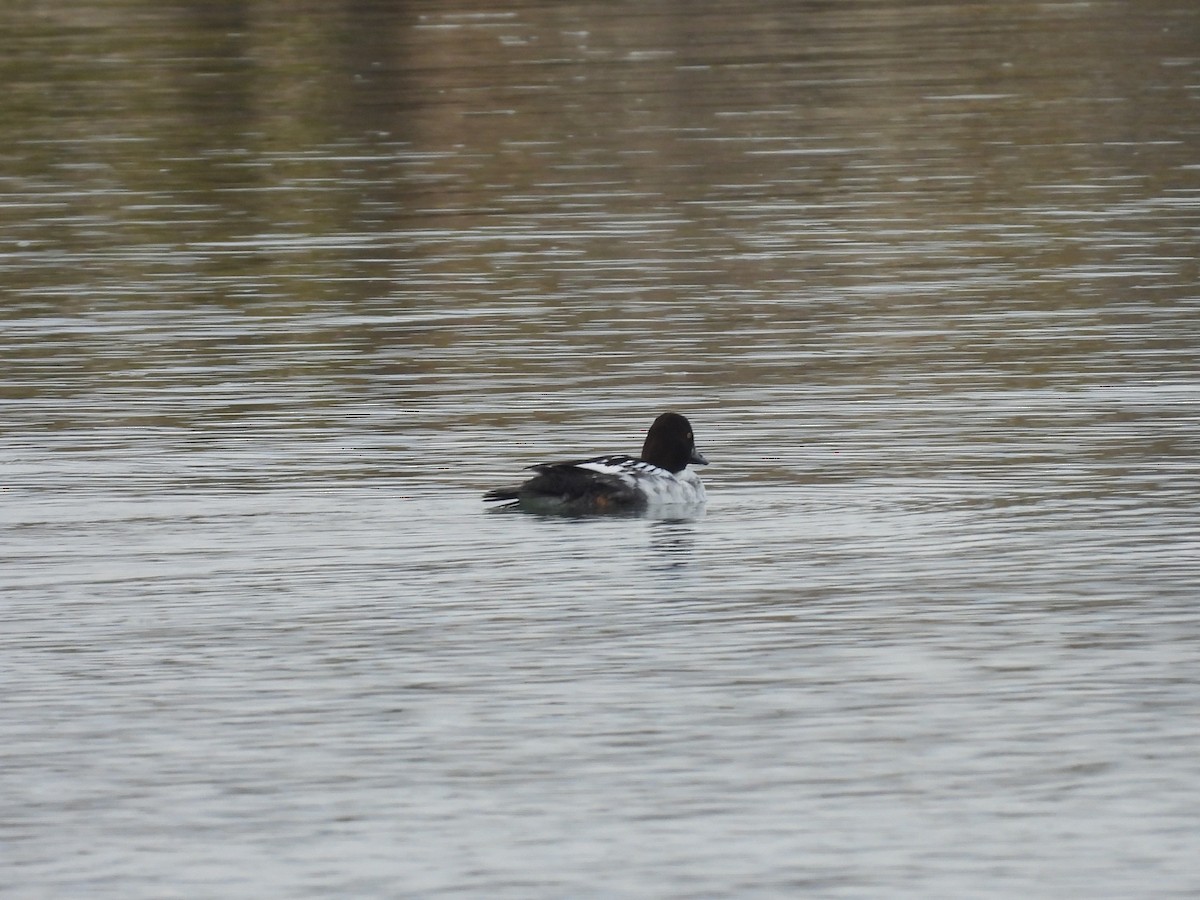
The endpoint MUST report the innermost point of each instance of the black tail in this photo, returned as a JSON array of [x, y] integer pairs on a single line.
[[501, 494]]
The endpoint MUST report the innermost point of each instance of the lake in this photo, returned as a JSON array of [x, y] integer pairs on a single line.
[[289, 285]]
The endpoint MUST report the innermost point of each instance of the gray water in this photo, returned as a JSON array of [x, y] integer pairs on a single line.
[[287, 286]]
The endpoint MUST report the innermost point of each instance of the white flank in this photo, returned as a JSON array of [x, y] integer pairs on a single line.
[[659, 486]]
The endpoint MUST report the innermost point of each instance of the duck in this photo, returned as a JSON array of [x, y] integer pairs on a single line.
[[617, 483]]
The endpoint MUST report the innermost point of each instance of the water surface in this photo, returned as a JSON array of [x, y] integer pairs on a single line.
[[289, 285]]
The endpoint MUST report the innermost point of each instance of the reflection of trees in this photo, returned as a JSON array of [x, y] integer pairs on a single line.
[[716, 145]]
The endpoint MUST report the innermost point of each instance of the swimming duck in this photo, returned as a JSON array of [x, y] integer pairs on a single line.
[[617, 483]]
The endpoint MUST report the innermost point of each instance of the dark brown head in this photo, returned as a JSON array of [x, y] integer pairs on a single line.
[[671, 445]]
